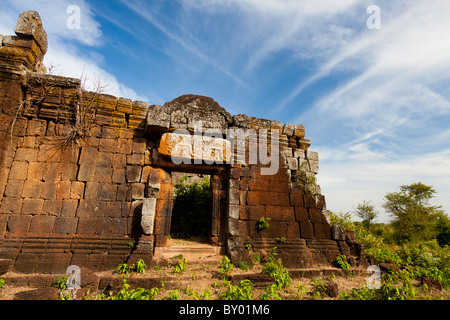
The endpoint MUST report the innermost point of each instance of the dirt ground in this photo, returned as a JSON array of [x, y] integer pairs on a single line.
[[204, 281]]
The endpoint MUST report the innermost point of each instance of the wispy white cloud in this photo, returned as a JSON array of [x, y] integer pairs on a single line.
[[64, 51], [141, 10], [385, 123]]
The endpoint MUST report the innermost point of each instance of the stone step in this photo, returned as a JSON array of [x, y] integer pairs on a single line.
[[192, 252]]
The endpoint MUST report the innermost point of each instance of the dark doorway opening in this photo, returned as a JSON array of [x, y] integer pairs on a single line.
[[191, 216]]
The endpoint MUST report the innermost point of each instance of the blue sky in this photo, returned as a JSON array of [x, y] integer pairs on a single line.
[[375, 102]]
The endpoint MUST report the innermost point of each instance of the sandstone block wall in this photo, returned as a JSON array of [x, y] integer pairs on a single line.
[[82, 181]]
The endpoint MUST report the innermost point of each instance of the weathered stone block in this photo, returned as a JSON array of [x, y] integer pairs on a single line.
[[301, 214], [103, 174], [133, 174], [36, 127], [76, 190], [87, 208], [32, 206], [256, 212], [207, 148], [119, 175], [65, 225], [26, 154], [108, 145], [315, 215], [52, 207], [337, 232], [119, 160], [88, 155], [288, 129], [104, 159], [137, 191], [107, 191], [136, 159], [253, 198], [63, 190], [306, 230], [14, 188], [292, 163], [296, 197], [32, 189], [35, 171], [287, 213], [148, 215], [69, 208], [87, 225], [41, 224], [18, 225], [19, 170], [86, 173]]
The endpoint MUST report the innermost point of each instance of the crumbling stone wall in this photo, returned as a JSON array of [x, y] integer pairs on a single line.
[[83, 174]]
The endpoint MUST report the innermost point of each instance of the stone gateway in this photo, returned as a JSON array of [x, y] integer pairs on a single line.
[[83, 174]]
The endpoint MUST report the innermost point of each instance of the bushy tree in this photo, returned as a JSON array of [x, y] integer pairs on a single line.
[[443, 230], [366, 211], [414, 218]]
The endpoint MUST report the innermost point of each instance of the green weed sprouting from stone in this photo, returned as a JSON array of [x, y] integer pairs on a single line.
[[243, 291], [306, 180], [271, 293], [61, 282], [319, 289], [275, 269], [180, 266], [263, 223], [2, 283], [140, 266], [124, 269], [226, 267], [341, 262], [173, 295], [125, 293]]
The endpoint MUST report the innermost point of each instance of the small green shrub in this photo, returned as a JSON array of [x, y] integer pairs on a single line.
[[140, 266], [243, 291], [271, 293], [2, 283], [275, 269], [173, 295], [180, 266], [341, 262], [243, 265], [263, 223], [226, 267], [124, 268], [125, 293], [61, 282], [319, 289]]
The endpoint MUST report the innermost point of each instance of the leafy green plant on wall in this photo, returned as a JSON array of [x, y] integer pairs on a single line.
[[341, 262], [140, 266], [263, 223], [306, 180], [124, 269], [276, 269], [127, 269], [61, 282]]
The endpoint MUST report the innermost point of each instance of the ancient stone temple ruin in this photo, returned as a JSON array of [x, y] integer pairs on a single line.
[[86, 178]]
